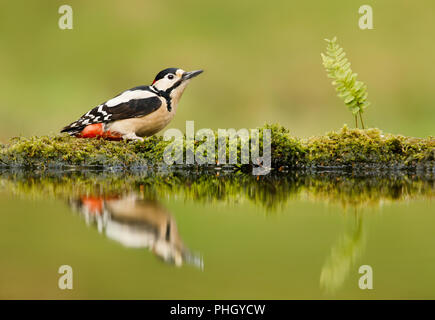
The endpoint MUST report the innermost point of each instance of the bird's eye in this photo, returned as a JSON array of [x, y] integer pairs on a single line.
[[170, 76]]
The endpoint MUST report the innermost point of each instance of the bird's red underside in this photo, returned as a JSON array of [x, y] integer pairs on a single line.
[[95, 204], [97, 131]]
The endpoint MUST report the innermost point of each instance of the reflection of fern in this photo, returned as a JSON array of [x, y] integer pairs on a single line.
[[353, 92], [342, 259]]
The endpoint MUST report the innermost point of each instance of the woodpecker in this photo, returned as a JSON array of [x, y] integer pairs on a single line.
[[135, 113]]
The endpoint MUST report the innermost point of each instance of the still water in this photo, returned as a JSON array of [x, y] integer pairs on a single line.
[[216, 235]]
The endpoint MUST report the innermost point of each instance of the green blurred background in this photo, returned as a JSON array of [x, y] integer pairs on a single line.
[[262, 64], [262, 61]]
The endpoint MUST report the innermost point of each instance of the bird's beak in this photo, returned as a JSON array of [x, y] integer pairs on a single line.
[[191, 74]]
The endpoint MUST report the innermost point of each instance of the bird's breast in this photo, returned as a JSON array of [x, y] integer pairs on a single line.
[[146, 125], [156, 121]]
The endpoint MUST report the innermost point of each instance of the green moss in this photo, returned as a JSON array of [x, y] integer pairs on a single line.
[[346, 148], [369, 147], [61, 151]]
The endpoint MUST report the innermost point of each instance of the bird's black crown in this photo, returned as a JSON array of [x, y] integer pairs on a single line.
[[163, 73]]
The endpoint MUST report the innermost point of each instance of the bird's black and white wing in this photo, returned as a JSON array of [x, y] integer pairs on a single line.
[[133, 103]]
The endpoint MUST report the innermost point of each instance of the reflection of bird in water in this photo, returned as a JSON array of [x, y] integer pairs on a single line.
[[137, 223], [342, 258]]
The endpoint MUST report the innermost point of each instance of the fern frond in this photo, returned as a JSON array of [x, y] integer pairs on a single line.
[[353, 92]]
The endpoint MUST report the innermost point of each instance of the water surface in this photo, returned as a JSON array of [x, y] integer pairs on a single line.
[[189, 235]]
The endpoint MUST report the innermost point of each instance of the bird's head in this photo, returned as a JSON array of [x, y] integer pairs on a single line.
[[174, 80]]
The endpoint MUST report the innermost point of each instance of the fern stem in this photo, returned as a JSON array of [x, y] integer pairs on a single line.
[[360, 116], [356, 121]]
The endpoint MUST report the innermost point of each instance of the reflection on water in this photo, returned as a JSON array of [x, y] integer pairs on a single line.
[[343, 256], [128, 209], [272, 192], [136, 223]]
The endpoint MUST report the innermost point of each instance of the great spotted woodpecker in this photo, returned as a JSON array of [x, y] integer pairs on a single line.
[[135, 113]]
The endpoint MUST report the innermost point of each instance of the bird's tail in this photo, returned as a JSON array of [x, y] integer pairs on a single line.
[[73, 129]]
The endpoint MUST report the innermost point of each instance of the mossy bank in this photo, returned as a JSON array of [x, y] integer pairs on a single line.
[[346, 148]]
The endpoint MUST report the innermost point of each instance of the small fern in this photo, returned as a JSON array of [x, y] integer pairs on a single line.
[[353, 92]]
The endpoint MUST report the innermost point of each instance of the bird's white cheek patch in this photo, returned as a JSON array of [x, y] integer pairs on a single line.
[[163, 84], [127, 96]]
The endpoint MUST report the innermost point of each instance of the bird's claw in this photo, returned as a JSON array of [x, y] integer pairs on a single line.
[[132, 137]]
